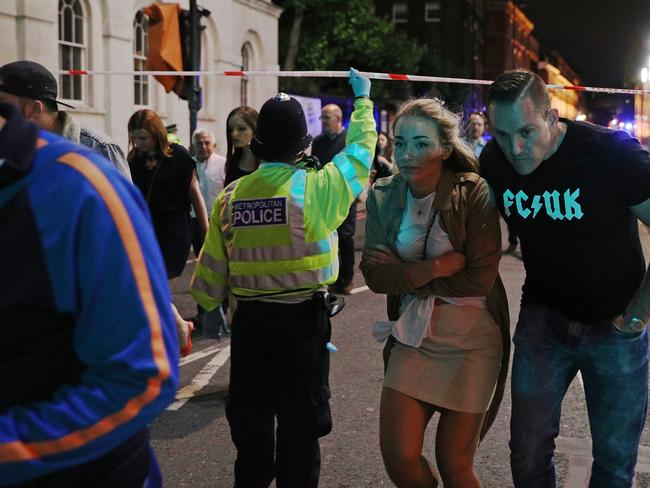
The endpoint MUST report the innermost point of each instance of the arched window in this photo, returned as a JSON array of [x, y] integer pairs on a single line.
[[246, 56], [140, 49], [72, 48]]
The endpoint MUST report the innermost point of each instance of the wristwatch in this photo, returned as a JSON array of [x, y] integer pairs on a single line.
[[631, 325]]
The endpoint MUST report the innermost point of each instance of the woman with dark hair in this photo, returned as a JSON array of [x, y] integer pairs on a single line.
[[166, 176], [241, 125], [433, 244], [381, 167]]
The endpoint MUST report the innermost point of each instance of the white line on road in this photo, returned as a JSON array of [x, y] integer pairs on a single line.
[[203, 353], [201, 379], [359, 289]]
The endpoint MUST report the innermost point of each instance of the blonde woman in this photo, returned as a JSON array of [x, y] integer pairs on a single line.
[[433, 244]]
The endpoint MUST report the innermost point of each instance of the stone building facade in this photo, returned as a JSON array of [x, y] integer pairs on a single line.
[[110, 35]]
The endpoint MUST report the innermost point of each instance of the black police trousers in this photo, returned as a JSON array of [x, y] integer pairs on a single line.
[[279, 375]]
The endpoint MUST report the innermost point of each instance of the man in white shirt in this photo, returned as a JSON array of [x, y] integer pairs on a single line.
[[210, 166], [211, 170]]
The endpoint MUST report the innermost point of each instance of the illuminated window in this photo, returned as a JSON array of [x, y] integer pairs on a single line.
[[72, 48], [140, 49], [432, 11], [400, 12]]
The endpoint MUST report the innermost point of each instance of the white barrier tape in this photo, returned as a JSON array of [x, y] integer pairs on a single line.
[[342, 74]]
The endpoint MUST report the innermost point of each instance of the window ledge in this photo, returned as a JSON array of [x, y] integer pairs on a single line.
[[82, 109]]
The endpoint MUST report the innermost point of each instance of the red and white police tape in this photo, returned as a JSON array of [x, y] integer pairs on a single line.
[[343, 74]]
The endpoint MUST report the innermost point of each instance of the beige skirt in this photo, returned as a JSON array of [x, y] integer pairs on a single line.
[[456, 368]]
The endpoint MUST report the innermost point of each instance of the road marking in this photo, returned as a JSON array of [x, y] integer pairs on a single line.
[[359, 289], [578, 450], [203, 353], [201, 379]]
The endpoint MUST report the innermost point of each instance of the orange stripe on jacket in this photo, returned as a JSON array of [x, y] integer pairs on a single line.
[[20, 451]]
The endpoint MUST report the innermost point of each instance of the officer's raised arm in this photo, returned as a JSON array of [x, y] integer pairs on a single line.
[[341, 182]]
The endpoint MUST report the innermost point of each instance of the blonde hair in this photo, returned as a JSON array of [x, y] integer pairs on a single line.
[[462, 157]]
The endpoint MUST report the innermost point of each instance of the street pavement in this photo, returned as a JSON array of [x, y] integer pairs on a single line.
[[192, 439]]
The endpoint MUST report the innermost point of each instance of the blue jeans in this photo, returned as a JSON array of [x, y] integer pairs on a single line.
[[549, 351]]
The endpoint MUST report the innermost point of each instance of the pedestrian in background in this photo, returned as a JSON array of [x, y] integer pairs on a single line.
[[381, 167], [211, 171], [384, 146], [326, 146], [172, 134], [33, 89], [88, 356], [475, 130], [166, 176], [271, 242], [433, 244], [241, 125], [573, 192]]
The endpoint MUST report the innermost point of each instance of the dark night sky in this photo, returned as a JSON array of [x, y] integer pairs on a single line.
[[606, 41]]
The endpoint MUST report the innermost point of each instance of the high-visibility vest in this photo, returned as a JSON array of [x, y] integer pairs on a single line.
[[273, 233]]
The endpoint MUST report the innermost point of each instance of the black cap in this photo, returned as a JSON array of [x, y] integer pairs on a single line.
[[29, 79], [281, 132], [171, 127]]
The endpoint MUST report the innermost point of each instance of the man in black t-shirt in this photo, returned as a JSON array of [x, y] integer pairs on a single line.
[[573, 192]]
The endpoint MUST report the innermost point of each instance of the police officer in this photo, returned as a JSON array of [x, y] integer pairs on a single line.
[[272, 243]]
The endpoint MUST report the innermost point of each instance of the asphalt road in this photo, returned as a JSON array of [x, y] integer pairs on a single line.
[[192, 438]]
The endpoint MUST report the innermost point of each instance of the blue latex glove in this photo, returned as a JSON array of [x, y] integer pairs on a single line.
[[360, 84]]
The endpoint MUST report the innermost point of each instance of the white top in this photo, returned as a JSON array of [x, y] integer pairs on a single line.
[[212, 174], [415, 313]]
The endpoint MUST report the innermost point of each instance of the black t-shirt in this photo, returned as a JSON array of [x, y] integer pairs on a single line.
[[166, 186], [579, 239], [235, 174], [326, 147]]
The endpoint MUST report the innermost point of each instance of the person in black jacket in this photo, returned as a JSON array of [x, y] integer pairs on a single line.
[[166, 176], [325, 147]]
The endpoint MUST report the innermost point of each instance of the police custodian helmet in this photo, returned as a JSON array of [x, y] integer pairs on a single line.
[[281, 132]]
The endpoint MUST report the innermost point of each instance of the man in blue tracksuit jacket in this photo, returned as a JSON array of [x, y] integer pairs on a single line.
[[88, 348]]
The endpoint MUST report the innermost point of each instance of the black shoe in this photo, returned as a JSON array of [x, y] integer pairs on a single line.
[[341, 289]]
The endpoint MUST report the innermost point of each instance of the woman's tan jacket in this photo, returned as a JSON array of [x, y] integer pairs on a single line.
[[472, 223]]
